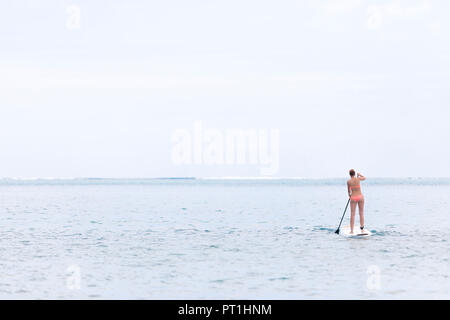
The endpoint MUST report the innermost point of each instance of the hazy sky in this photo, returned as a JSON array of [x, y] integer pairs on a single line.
[[98, 88]]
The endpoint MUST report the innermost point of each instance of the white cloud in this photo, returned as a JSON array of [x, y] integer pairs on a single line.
[[340, 6], [378, 13], [17, 77]]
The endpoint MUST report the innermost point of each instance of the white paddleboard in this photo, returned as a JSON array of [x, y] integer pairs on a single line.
[[345, 231]]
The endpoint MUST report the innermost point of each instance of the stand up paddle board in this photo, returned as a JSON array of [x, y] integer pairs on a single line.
[[345, 231]]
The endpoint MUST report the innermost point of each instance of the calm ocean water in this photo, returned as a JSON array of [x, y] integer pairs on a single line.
[[221, 239]]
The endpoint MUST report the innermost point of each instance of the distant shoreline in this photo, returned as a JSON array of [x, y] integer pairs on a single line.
[[219, 180]]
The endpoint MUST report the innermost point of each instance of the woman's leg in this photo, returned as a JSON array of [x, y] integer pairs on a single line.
[[352, 215], [361, 211]]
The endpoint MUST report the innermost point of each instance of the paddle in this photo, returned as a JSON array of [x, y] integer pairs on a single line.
[[337, 231]]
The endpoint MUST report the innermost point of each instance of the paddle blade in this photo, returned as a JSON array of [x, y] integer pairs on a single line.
[[337, 231]]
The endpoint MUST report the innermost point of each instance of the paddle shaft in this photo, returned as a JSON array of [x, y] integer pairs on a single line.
[[337, 231]]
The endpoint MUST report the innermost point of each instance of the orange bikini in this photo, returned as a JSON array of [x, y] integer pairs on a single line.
[[356, 198]]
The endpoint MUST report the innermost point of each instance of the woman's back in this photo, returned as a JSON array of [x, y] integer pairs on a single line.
[[354, 185]]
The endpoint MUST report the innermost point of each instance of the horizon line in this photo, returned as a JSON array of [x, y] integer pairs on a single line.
[[206, 178]]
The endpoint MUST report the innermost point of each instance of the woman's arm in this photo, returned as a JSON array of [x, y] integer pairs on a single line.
[[348, 189], [361, 177]]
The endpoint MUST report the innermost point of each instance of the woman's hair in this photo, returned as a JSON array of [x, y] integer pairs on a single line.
[[352, 173]]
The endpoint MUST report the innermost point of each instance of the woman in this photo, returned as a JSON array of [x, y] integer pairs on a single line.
[[356, 198]]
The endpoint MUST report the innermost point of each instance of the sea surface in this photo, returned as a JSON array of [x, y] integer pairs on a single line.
[[221, 239]]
